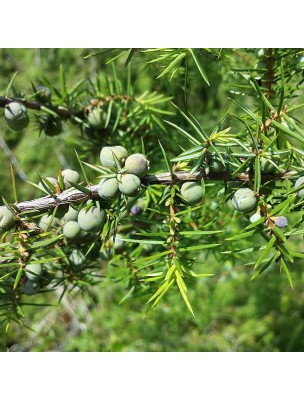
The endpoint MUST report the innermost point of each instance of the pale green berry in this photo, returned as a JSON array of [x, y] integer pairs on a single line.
[[298, 183], [192, 192], [259, 53], [108, 189], [43, 94], [254, 217], [30, 287], [71, 215], [7, 218], [107, 157], [288, 125], [92, 219], [268, 166], [96, 118], [118, 242], [33, 271], [71, 230], [68, 176], [129, 185], [45, 221], [52, 180], [16, 116], [137, 164], [244, 200], [77, 258]]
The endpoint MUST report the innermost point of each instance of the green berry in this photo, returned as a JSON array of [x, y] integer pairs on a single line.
[[118, 242], [298, 183], [260, 53], [215, 165], [51, 126], [268, 166], [45, 222], [68, 176], [244, 200], [107, 157], [16, 116], [288, 125], [192, 192], [7, 218], [96, 118], [71, 230], [43, 94], [30, 287], [254, 217], [71, 215], [92, 219], [108, 189], [77, 258], [52, 180], [33, 271], [129, 185], [137, 164]]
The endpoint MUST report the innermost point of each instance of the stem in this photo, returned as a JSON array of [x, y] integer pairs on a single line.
[[76, 196]]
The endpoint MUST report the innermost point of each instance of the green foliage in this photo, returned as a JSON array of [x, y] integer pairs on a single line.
[[221, 189]]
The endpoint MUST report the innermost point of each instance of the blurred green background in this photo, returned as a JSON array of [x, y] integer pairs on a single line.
[[232, 313]]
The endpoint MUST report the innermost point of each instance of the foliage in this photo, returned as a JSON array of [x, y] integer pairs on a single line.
[[227, 119]]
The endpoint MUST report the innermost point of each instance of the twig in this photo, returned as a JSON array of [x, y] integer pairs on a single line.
[[76, 196]]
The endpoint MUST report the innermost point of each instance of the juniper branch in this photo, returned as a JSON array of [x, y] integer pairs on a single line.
[[76, 196]]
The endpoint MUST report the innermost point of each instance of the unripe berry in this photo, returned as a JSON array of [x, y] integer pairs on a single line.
[[192, 192], [96, 118], [280, 222], [215, 165], [137, 164], [244, 200], [7, 218], [33, 271], [68, 176], [254, 217], [118, 242], [77, 258], [298, 183], [51, 126], [107, 158], [45, 221], [268, 166], [16, 116], [92, 219], [129, 185], [52, 180], [108, 189], [71, 230], [259, 53], [71, 215], [30, 287], [136, 210], [43, 94]]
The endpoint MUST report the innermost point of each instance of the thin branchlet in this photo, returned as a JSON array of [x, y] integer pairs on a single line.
[[76, 196]]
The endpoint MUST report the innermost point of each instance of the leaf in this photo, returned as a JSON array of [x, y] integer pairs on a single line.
[[172, 65], [199, 247], [82, 169], [199, 67], [257, 175], [167, 161], [285, 269], [18, 277], [10, 84], [265, 252], [185, 297]]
